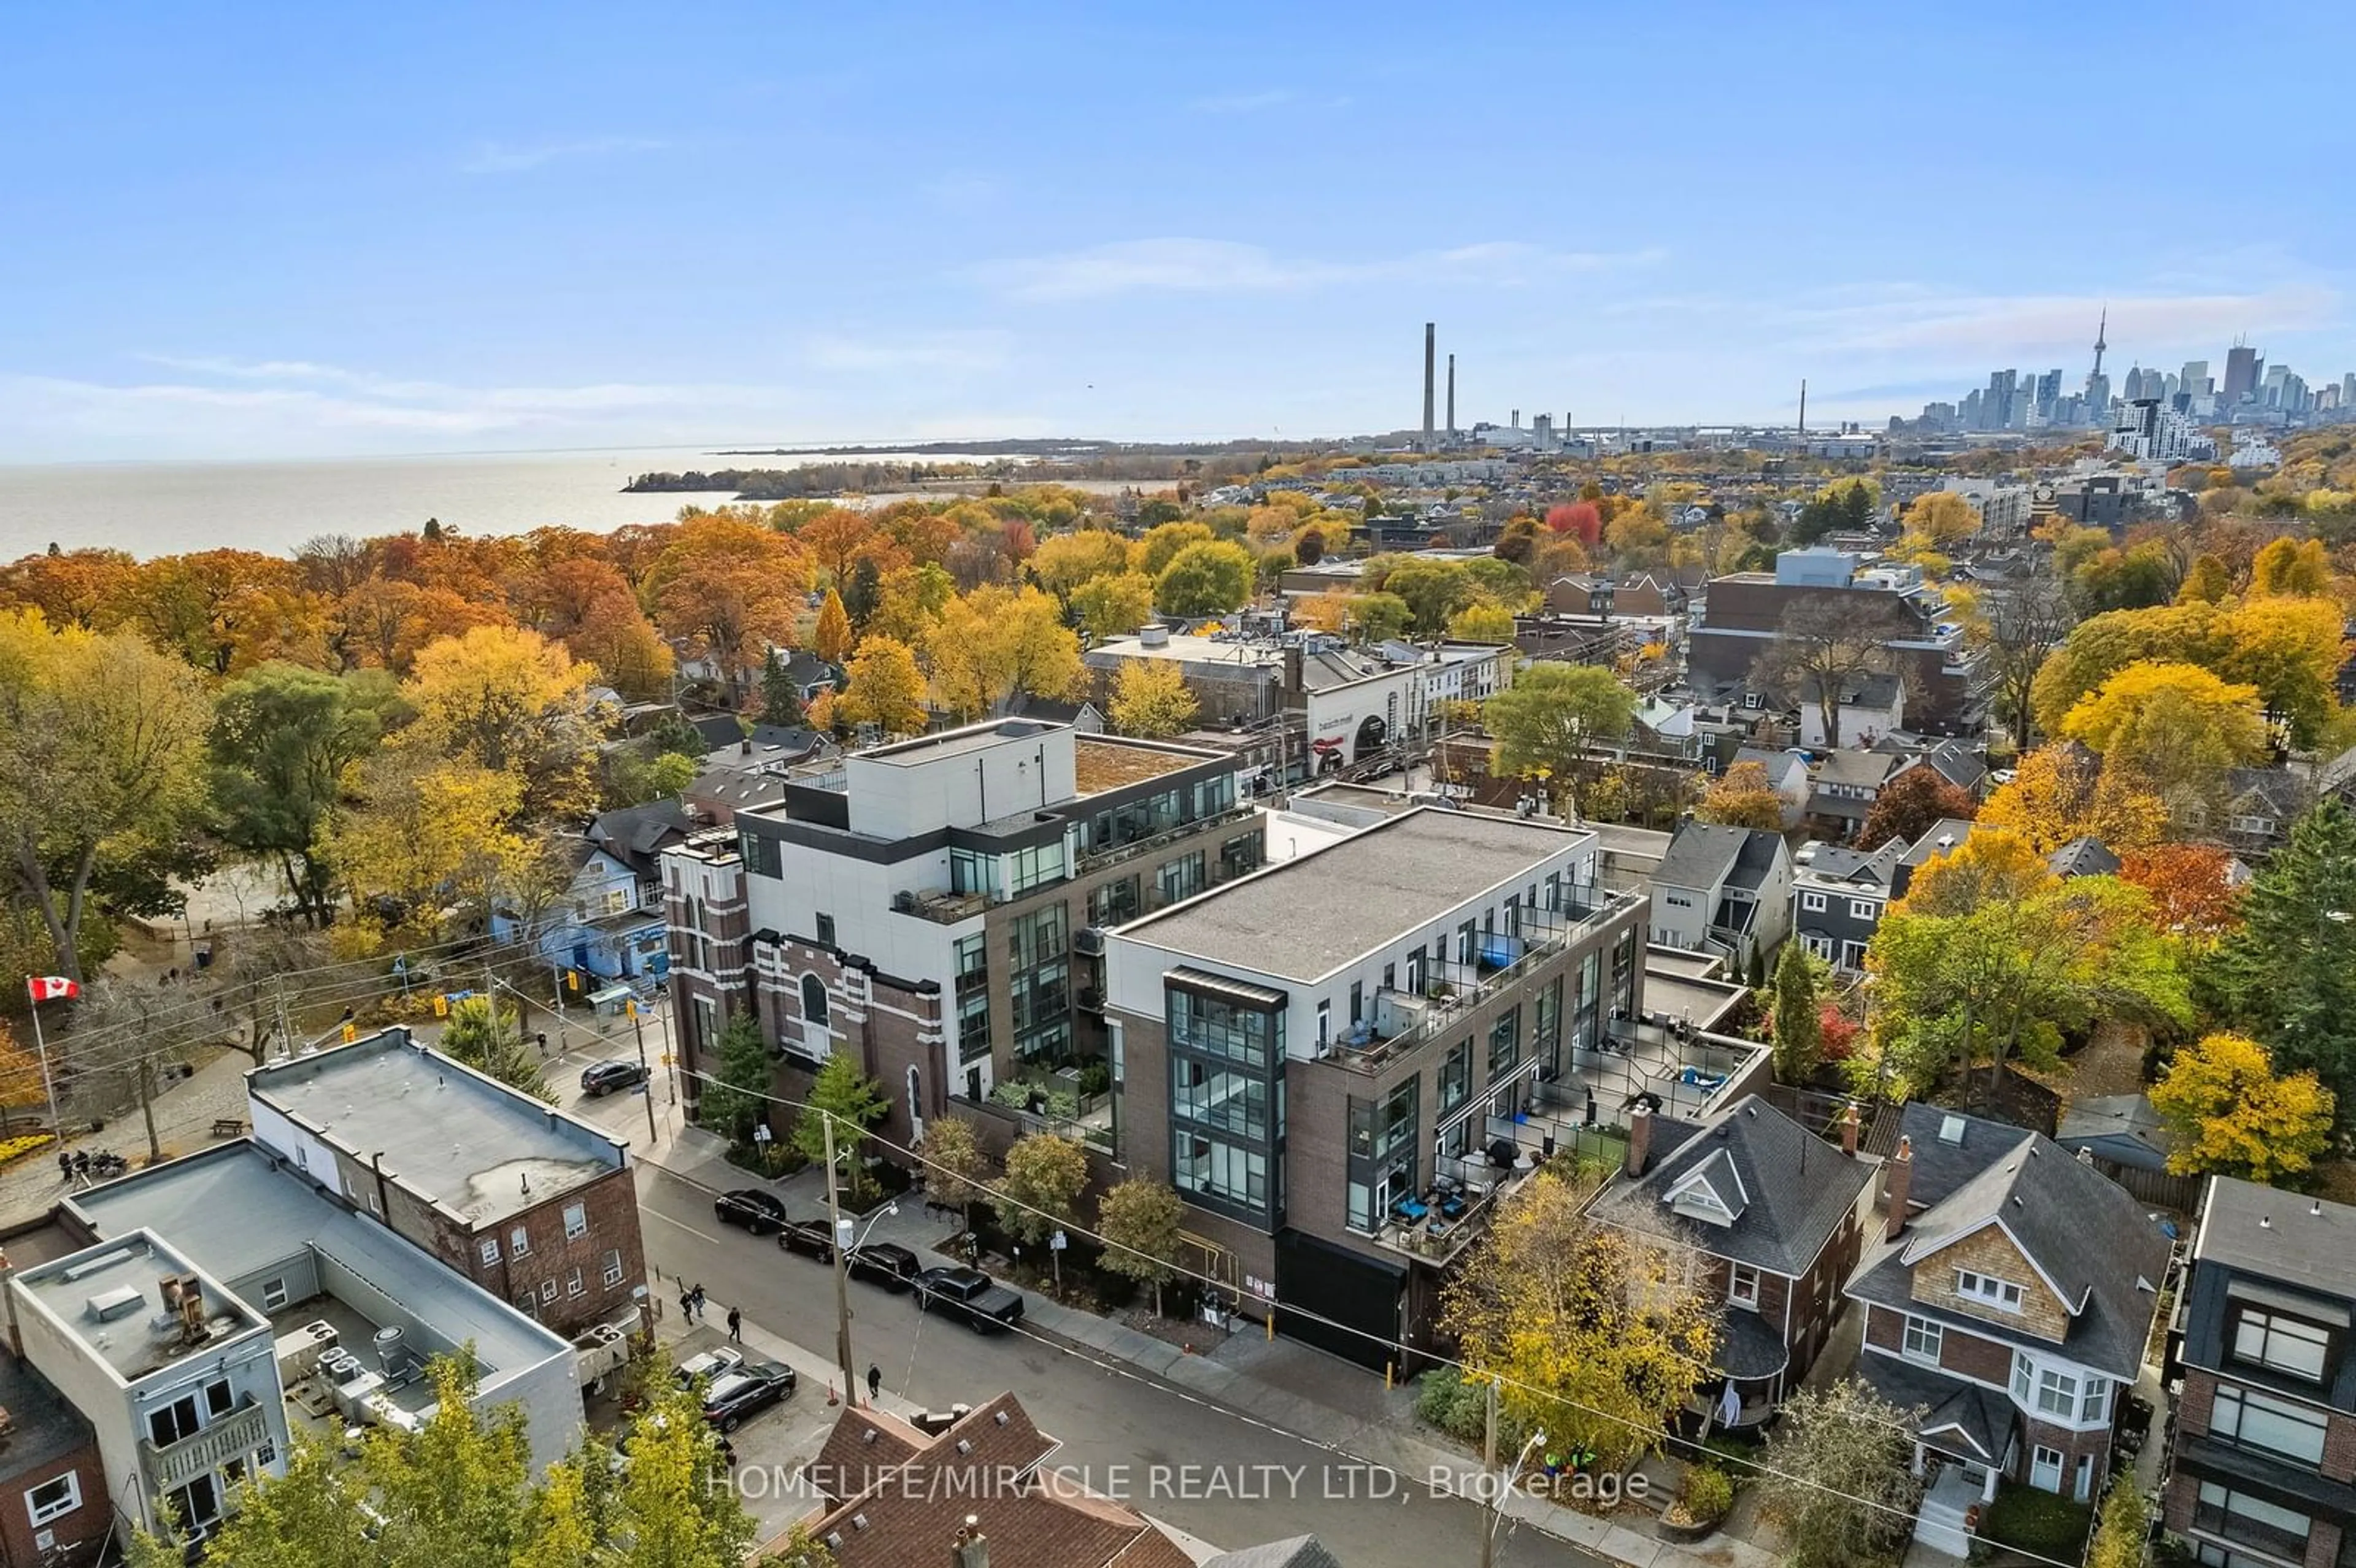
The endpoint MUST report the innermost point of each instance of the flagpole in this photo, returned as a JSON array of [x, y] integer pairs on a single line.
[[40, 1048]]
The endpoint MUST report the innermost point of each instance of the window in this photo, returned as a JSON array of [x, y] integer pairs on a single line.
[[2024, 1377], [1922, 1340], [814, 1000], [825, 930], [577, 1221], [1357, 1001], [2057, 1393], [54, 1498], [2281, 1344], [490, 1249], [2249, 1419], [1505, 1043], [273, 1294], [1864, 909], [1988, 1288], [518, 1241], [1813, 903], [1215, 1026], [1179, 879], [1034, 867], [2250, 1520], [573, 1286], [613, 1271], [547, 1290], [218, 1398], [527, 1302], [1742, 1286], [1455, 1076], [2095, 1400], [1115, 901]]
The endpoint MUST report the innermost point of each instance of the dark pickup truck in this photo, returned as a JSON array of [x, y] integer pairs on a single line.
[[969, 1294]]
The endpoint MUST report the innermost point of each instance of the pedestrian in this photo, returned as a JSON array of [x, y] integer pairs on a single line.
[[687, 1306], [736, 1325], [874, 1382], [65, 1166], [82, 1163], [698, 1294]]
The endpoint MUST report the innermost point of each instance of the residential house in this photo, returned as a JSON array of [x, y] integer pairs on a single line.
[[1787, 776], [2084, 857], [51, 1466], [963, 1492], [2117, 1132], [810, 675], [2012, 1311], [1781, 1216], [536, 1206], [1869, 707], [1952, 760], [1847, 783], [1839, 896], [1723, 890], [2261, 1458], [605, 924], [1299, 1551], [1343, 1060], [1639, 596]]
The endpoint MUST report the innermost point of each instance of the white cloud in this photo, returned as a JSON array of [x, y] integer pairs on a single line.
[[1224, 266], [520, 157]]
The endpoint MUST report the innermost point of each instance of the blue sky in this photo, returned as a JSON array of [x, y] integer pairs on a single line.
[[249, 230]]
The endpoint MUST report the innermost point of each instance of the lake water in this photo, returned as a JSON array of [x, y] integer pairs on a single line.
[[158, 508]]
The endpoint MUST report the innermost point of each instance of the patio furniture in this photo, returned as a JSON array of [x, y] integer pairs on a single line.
[[1411, 1209], [1452, 1205]]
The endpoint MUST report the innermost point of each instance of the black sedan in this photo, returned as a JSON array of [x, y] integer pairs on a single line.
[[812, 1238], [602, 1078], [886, 1264], [735, 1397], [750, 1207]]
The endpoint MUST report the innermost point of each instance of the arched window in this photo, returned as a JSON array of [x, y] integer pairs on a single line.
[[814, 1000]]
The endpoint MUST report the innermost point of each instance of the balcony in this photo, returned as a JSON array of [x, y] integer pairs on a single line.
[[941, 906], [1403, 1022], [232, 1437], [1098, 860]]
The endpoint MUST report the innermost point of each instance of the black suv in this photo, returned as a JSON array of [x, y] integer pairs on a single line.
[[602, 1078], [886, 1264], [736, 1396], [812, 1238], [750, 1207]]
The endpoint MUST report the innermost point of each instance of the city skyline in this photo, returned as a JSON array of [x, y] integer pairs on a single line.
[[289, 234]]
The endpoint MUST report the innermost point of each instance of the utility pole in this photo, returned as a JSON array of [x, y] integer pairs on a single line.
[[1490, 1502], [841, 1268], [646, 1077]]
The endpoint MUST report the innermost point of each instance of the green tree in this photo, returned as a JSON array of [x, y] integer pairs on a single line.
[[863, 593], [1839, 1481], [1141, 1221], [1544, 723], [1151, 700], [1114, 604], [1799, 1015], [668, 1513], [282, 738], [2288, 976], [781, 700], [1046, 1174], [853, 1100], [1205, 579], [1433, 591], [2123, 1530], [488, 1037], [736, 1096], [1161, 544], [956, 1168]]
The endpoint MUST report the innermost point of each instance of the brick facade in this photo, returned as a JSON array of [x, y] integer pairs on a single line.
[[892, 1027]]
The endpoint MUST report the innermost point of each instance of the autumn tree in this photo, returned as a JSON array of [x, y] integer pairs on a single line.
[[1482, 623], [2290, 648], [1114, 604], [1595, 1331], [2193, 894], [1542, 725], [422, 834], [614, 636], [2294, 567], [956, 1168], [834, 538], [1798, 1015], [1825, 644], [1912, 803], [509, 701], [227, 609], [1433, 591], [2061, 792], [996, 642], [1046, 1174], [1143, 1221], [89, 588], [1064, 563], [2232, 1115], [102, 757], [730, 589], [2123, 1527], [833, 637], [2288, 977], [1838, 1482], [1151, 700], [1742, 797], [282, 739], [2207, 582], [1161, 544], [1941, 519], [1205, 579], [2175, 727], [883, 687]]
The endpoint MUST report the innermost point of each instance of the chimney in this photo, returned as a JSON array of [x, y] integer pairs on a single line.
[[1897, 1178], [1431, 331], [1451, 394], [972, 1547], [745, 747], [1640, 1139], [1849, 1131]]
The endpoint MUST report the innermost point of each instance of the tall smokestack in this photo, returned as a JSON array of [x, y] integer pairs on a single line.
[[1431, 339], [1804, 407], [1452, 396]]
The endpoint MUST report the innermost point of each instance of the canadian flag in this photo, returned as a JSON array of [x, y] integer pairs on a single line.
[[52, 987]]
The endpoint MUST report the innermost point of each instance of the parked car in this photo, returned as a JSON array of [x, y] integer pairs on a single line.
[[742, 1394], [968, 1293], [602, 1078], [710, 1363], [812, 1238], [755, 1210], [886, 1264]]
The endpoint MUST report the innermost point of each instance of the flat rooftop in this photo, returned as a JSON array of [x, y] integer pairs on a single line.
[[43, 1424], [1100, 764], [957, 742], [2264, 1230], [1304, 918], [109, 1296], [238, 1212], [475, 1146]]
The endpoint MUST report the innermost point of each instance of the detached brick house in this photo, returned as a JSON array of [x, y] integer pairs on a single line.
[[2262, 1467], [1780, 1214], [2010, 1311]]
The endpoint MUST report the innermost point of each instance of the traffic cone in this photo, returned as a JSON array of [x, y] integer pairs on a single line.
[[832, 1398]]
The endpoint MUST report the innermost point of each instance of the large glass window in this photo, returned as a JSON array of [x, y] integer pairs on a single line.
[[1455, 1076], [1215, 1097], [1115, 901], [2252, 1521], [1034, 938], [1034, 867], [2289, 1345], [1179, 879], [2256, 1420], [971, 871], [1505, 1043], [1211, 1167], [2057, 1393], [1217, 1026], [1240, 854]]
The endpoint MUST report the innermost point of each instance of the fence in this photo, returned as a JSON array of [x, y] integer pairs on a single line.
[[2181, 1193]]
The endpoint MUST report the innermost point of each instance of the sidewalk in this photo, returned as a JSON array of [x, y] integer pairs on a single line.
[[1276, 1382]]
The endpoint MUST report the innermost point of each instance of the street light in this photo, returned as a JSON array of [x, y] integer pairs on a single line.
[[1497, 1501], [846, 1241]]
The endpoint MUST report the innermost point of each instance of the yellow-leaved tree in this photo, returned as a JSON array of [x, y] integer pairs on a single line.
[[2061, 792], [2175, 727], [1150, 699], [884, 688], [425, 835], [1114, 604], [2232, 1115], [1482, 623], [996, 642], [509, 701], [1742, 798], [831, 639]]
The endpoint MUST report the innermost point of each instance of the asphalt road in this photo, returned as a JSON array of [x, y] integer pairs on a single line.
[[1249, 1483]]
